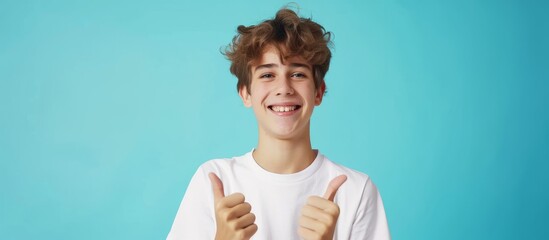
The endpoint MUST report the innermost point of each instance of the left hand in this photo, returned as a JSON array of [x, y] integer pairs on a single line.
[[319, 216]]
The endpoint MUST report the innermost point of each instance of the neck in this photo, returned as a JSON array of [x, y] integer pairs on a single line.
[[284, 156]]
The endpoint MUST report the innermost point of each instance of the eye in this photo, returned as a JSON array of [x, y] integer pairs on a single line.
[[298, 75], [266, 75]]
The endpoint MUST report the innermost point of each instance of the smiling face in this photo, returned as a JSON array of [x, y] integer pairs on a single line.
[[282, 95]]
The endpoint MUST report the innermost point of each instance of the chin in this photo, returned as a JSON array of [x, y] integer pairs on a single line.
[[286, 133]]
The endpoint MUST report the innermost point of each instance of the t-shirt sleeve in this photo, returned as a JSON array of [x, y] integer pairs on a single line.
[[370, 222], [195, 218]]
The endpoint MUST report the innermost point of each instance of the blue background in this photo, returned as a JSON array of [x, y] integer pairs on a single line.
[[108, 107]]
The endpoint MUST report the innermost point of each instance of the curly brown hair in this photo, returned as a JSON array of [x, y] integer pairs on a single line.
[[291, 35]]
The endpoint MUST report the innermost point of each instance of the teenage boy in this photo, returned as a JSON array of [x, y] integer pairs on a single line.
[[283, 189]]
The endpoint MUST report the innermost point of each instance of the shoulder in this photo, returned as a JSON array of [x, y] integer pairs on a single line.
[[358, 183], [220, 166], [362, 210], [354, 177], [358, 193]]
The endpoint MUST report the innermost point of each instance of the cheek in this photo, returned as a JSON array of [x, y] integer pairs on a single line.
[[259, 93], [308, 92]]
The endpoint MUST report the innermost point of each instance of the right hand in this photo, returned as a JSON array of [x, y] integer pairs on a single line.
[[233, 216]]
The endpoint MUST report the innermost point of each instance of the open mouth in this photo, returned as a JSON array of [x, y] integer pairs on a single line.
[[287, 108]]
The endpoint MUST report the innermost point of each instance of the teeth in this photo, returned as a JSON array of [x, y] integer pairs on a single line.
[[283, 108]]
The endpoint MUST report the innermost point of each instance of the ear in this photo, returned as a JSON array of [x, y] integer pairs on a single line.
[[245, 96], [320, 93]]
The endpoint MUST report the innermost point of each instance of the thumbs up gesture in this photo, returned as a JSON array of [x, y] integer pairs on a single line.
[[319, 216], [233, 216]]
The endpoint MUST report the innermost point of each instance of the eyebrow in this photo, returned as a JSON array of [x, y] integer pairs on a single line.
[[292, 65]]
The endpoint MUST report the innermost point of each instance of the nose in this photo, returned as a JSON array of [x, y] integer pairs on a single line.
[[284, 87]]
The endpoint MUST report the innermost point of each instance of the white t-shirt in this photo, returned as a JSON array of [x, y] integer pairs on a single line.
[[277, 199]]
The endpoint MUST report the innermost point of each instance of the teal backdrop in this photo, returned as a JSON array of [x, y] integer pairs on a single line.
[[108, 107]]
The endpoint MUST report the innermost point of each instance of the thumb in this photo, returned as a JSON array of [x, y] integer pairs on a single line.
[[217, 186], [333, 186]]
